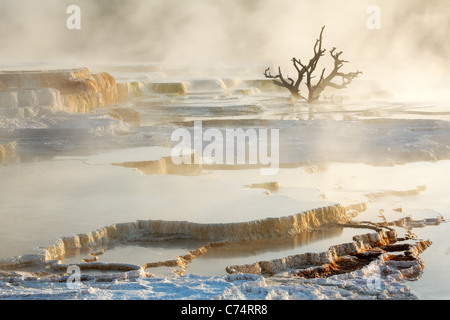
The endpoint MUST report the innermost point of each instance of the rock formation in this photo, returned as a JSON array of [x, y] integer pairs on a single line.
[[210, 233], [78, 90]]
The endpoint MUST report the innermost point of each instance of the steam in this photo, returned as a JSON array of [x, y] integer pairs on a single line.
[[409, 51]]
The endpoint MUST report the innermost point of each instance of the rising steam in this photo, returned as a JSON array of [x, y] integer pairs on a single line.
[[409, 50]]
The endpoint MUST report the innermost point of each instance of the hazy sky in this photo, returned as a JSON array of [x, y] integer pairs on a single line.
[[413, 38]]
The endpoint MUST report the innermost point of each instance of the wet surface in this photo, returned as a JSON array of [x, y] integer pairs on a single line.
[[113, 166]]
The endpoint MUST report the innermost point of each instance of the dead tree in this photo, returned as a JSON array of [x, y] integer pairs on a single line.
[[308, 71]]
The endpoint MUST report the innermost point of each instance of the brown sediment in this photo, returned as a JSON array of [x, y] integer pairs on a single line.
[[164, 166], [41, 274], [80, 90], [270, 186], [355, 262], [93, 259], [396, 247], [79, 102], [8, 153], [348, 257], [319, 262], [168, 88], [166, 263], [341, 265], [90, 92], [97, 253]]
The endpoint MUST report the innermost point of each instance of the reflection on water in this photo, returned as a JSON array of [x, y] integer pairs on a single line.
[[434, 281], [216, 259], [79, 194], [261, 247], [135, 252]]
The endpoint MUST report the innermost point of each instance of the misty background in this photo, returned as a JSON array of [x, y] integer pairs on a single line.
[[410, 52]]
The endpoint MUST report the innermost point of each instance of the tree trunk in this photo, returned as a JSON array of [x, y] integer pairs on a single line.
[[296, 95]]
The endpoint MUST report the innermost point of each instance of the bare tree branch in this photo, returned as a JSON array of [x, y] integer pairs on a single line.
[[308, 70], [327, 81]]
